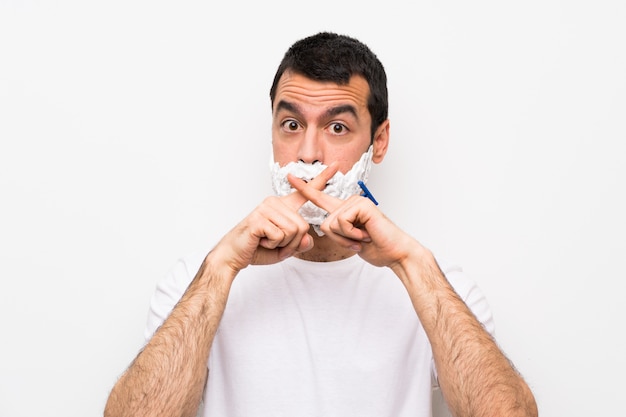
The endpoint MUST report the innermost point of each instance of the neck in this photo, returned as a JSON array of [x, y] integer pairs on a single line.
[[324, 250]]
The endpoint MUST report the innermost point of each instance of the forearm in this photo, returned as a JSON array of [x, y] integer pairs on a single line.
[[475, 376], [167, 378]]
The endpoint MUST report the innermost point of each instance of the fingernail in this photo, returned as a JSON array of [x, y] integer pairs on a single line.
[[356, 247]]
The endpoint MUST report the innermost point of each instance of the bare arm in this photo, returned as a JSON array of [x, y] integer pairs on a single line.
[[168, 377], [476, 378]]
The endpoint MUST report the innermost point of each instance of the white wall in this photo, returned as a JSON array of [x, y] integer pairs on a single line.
[[121, 122]]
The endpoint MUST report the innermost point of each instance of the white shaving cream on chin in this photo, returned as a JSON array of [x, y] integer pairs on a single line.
[[340, 185]]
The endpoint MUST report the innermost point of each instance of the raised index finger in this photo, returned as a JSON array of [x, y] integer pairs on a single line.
[[297, 199], [314, 194]]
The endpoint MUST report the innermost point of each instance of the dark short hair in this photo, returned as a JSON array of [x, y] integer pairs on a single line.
[[336, 58]]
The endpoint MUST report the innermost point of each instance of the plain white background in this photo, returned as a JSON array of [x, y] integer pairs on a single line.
[[134, 132]]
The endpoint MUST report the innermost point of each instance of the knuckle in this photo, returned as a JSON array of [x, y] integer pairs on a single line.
[[270, 200]]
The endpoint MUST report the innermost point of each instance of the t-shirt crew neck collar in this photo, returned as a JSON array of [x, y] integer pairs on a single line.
[[340, 264]]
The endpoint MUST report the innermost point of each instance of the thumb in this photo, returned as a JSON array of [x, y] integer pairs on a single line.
[[306, 244]]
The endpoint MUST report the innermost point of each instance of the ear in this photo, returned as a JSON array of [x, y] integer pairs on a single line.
[[381, 142]]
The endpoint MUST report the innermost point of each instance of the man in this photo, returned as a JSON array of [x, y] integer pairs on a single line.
[[316, 304]]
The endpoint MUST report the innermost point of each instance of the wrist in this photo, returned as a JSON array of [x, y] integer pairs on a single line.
[[215, 272], [418, 268]]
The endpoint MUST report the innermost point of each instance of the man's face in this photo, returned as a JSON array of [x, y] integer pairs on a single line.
[[320, 122]]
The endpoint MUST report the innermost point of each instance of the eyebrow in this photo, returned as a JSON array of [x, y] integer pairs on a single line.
[[333, 111], [344, 108], [286, 105]]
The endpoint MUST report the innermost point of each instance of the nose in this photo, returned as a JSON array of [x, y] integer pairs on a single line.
[[310, 150]]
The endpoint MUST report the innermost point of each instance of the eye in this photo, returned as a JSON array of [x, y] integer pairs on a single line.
[[338, 129], [290, 125]]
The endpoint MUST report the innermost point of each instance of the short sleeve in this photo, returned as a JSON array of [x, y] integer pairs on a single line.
[[170, 290], [473, 297]]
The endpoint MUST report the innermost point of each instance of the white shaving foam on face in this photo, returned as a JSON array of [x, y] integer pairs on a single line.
[[340, 185]]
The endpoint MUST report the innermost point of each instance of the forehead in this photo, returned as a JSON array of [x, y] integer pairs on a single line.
[[294, 87]]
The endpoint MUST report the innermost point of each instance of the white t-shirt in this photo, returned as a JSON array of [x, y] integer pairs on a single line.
[[303, 338]]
